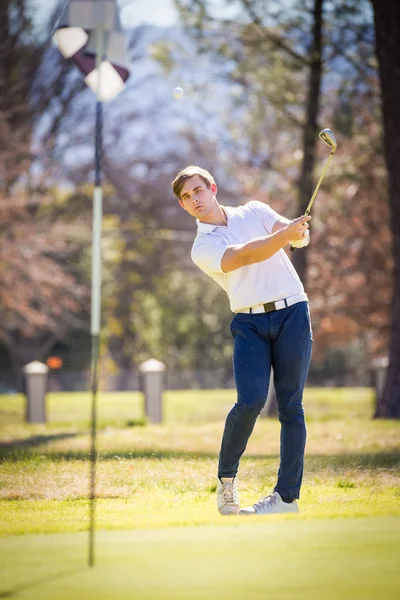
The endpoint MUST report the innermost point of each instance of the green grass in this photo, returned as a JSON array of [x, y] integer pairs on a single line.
[[352, 462], [156, 482], [188, 406], [278, 559]]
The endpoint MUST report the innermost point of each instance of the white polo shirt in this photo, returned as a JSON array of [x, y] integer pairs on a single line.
[[267, 281]]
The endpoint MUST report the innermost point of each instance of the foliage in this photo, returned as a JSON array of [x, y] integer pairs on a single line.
[[187, 323], [42, 296]]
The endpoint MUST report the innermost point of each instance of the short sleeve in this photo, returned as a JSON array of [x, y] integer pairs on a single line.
[[207, 253], [264, 212]]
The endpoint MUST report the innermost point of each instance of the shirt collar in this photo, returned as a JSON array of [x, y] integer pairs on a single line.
[[209, 227], [205, 227]]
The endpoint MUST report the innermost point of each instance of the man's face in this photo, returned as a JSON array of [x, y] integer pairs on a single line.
[[196, 198]]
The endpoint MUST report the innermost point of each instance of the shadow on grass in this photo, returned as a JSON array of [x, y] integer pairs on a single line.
[[44, 580], [25, 450], [17, 449], [338, 462], [15, 452]]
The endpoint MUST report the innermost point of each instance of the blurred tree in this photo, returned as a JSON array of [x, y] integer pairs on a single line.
[[350, 268], [41, 291], [310, 127], [186, 323], [387, 27]]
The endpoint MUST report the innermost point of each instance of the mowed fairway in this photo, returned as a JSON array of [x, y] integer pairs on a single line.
[[159, 533], [282, 559]]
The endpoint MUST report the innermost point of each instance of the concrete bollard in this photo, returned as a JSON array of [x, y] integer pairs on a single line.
[[378, 371], [152, 378], [36, 374]]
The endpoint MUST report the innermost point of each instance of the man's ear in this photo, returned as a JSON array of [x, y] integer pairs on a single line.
[[213, 188], [181, 203]]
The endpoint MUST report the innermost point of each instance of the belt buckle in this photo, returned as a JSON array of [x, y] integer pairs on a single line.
[[269, 307], [275, 305]]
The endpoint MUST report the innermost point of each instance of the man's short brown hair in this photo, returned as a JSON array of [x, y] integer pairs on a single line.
[[186, 174]]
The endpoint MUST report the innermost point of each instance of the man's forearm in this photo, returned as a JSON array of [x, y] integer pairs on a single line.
[[254, 251]]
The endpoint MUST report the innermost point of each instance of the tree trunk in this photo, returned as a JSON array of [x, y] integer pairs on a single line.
[[25, 351], [310, 130], [387, 31]]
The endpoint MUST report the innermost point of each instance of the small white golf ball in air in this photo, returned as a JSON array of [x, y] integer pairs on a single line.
[[178, 93]]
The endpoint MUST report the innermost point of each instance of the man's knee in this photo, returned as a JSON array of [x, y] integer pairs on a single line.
[[292, 415], [252, 408]]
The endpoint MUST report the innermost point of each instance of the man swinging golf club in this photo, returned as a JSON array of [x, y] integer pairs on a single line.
[[242, 250]]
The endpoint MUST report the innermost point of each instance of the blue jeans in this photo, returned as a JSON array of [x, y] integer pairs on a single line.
[[282, 340]]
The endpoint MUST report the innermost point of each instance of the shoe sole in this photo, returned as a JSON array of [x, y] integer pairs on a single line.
[[227, 512], [278, 512]]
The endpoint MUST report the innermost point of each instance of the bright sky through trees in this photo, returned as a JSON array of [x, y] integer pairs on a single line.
[[133, 12]]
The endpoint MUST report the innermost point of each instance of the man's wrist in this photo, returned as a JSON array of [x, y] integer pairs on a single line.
[[283, 235]]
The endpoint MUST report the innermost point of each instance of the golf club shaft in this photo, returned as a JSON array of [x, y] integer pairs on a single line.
[[308, 209]]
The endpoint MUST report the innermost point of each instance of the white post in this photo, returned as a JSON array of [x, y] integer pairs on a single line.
[[152, 374]]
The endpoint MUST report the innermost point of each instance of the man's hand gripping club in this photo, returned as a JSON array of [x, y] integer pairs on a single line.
[[298, 229]]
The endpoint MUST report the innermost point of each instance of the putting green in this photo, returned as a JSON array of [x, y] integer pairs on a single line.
[[254, 558]]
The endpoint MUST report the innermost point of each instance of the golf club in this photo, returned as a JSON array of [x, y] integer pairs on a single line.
[[328, 137]]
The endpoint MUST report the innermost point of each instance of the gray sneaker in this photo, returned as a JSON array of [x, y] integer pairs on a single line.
[[271, 504], [227, 496]]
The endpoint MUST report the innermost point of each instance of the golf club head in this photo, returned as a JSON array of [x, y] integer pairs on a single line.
[[328, 137]]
